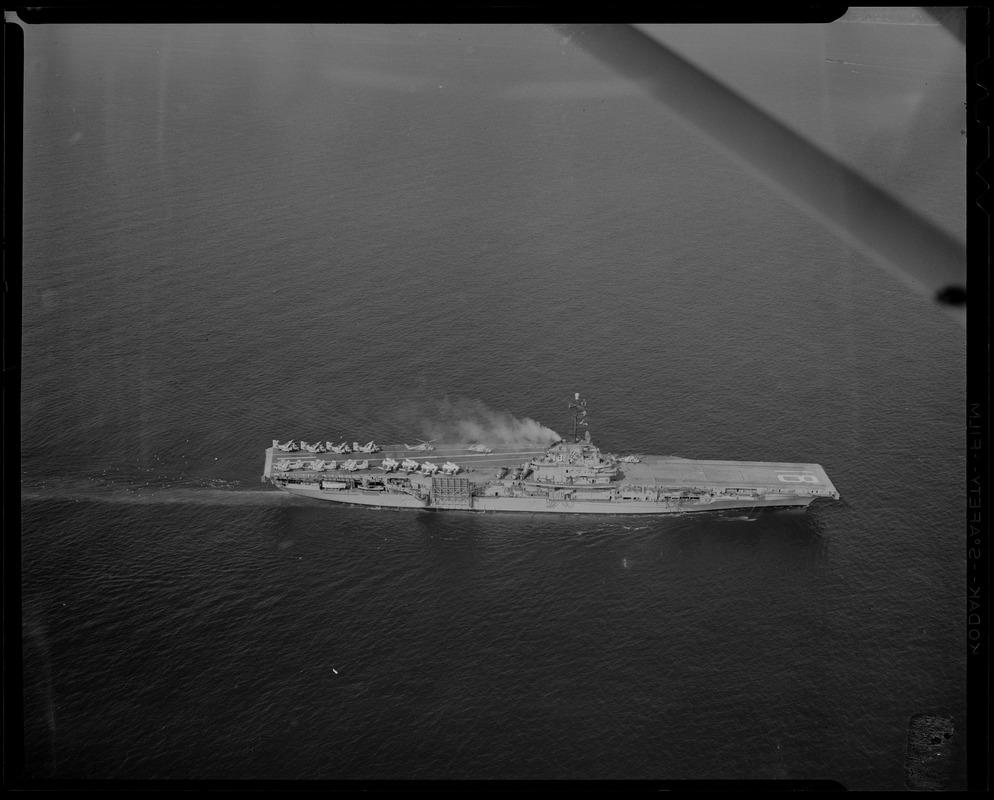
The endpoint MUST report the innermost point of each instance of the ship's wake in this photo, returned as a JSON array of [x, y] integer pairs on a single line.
[[146, 486], [159, 496]]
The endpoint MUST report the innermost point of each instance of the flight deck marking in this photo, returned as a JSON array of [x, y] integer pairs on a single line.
[[794, 477]]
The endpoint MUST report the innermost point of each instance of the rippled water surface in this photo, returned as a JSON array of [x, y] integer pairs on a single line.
[[235, 234]]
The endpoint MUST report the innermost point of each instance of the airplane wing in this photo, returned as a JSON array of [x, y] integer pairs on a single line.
[[909, 246]]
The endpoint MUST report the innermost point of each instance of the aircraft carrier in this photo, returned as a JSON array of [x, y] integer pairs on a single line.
[[571, 476]]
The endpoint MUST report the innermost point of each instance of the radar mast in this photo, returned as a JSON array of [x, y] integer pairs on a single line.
[[578, 414]]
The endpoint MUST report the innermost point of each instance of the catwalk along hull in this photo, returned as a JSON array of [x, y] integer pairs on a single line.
[[566, 478]]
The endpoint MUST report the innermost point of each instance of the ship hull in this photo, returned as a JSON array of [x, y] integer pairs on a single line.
[[563, 479], [543, 505], [379, 499]]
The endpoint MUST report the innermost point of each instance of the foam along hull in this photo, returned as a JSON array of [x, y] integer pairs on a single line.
[[538, 505]]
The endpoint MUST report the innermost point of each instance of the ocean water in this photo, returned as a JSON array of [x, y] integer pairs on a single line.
[[237, 233]]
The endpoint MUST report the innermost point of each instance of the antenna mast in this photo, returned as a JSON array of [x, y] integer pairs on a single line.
[[578, 407]]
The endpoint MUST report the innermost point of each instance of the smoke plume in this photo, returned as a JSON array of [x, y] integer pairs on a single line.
[[463, 420]]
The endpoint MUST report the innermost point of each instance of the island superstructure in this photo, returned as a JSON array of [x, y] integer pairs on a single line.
[[570, 476]]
